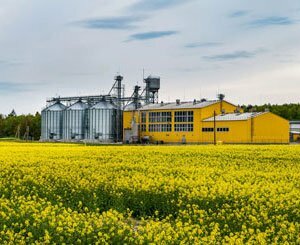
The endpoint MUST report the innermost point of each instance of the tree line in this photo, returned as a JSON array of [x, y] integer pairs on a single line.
[[287, 111], [22, 126]]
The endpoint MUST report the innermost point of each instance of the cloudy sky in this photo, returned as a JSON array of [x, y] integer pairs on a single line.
[[248, 50]]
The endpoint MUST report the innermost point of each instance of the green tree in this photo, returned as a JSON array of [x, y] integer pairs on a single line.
[[11, 124], [287, 111]]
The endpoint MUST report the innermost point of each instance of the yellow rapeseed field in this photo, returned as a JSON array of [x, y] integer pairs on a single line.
[[76, 194]]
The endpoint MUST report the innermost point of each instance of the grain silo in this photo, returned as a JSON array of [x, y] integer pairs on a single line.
[[75, 121], [52, 117], [96, 118], [102, 119]]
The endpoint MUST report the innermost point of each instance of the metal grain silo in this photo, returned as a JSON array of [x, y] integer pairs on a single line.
[[102, 122], [74, 121], [52, 117]]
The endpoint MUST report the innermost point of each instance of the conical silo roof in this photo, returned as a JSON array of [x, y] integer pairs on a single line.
[[55, 107], [79, 105], [102, 105]]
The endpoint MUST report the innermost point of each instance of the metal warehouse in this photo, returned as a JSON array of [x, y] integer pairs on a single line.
[[141, 118], [203, 122]]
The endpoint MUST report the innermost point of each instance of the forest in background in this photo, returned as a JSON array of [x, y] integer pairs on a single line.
[[20, 126], [287, 111], [29, 126]]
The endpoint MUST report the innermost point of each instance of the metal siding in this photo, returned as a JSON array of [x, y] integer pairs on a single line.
[[101, 121], [52, 122]]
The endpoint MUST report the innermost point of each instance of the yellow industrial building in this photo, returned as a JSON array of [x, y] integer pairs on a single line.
[[202, 122]]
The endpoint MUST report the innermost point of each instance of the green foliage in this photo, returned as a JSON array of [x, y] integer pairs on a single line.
[[10, 124], [287, 111]]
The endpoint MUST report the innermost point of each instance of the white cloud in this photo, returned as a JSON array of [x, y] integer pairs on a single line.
[[71, 60]]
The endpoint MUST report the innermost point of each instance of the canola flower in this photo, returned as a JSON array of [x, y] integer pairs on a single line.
[[74, 194]]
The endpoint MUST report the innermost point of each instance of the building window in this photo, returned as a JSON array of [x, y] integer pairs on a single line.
[[160, 127], [207, 129], [184, 127], [212, 129], [155, 117], [184, 116], [223, 129], [143, 127], [143, 117], [152, 117], [166, 127]]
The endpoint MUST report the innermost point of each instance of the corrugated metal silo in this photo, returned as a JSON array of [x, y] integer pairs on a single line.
[[102, 122], [52, 117], [74, 121]]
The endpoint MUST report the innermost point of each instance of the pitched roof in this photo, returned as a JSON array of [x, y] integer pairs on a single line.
[[235, 116], [181, 105]]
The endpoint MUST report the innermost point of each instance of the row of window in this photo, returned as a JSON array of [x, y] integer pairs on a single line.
[[184, 127], [160, 127], [180, 116], [212, 129], [184, 116], [222, 129], [187, 127], [168, 127], [159, 117], [207, 129]]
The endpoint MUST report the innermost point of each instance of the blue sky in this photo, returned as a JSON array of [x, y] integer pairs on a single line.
[[248, 50]]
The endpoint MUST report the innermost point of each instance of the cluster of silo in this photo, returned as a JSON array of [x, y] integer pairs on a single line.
[[80, 121]]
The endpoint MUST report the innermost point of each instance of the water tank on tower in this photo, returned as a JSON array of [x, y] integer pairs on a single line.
[[152, 87]]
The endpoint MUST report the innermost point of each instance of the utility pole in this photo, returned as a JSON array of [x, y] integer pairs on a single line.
[[118, 80], [215, 130], [17, 135], [252, 129], [26, 135]]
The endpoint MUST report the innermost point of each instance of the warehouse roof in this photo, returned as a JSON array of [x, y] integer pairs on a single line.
[[180, 105], [295, 132], [234, 116]]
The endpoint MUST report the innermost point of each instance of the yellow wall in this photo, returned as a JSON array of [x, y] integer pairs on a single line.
[[127, 118], [239, 132], [270, 128], [174, 137], [265, 128], [208, 111]]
